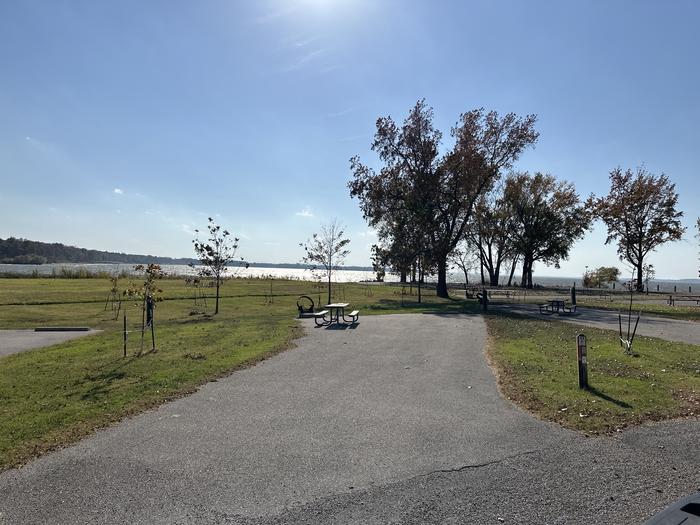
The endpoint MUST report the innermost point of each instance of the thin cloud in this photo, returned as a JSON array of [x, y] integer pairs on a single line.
[[341, 113], [309, 57], [306, 212], [271, 16], [305, 42], [118, 191], [353, 138], [330, 68]]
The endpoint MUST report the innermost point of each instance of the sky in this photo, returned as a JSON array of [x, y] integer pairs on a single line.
[[124, 125]]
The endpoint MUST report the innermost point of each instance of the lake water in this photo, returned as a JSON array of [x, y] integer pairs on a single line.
[[305, 274]]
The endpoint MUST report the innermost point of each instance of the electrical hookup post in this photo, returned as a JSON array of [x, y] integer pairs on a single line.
[[581, 353]]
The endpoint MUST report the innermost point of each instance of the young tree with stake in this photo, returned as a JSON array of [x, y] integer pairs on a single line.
[[327, 249], [215, 254]]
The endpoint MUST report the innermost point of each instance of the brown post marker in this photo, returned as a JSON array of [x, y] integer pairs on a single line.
[[582, 361], [125, 334]]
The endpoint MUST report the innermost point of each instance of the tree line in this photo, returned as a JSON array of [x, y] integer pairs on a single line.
[[24, 251], [433, 204]]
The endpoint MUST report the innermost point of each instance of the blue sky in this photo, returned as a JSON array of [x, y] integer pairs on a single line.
[[123, 125]]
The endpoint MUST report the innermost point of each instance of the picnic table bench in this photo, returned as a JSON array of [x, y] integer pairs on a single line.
[[683, 298]]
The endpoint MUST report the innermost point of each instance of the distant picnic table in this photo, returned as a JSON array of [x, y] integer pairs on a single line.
[[333, 313], [557, 306]]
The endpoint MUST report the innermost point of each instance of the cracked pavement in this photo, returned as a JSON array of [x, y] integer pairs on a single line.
[[395, 421]]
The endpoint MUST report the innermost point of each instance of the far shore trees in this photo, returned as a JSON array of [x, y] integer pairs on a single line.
[[215, 254], [640, 214], [327, 250], [430, 195], [548, 218]]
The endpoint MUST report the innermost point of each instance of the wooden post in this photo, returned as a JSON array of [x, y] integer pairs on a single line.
[[582, 361], [125, 334]]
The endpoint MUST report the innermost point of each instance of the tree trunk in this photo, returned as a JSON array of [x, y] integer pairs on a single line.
[[493, 276], [216, 308], [640, 275], [329, 287], [526, 281], [481, 264], [420, 281], [512, 271], [403, 276], [523, 278], [442, 277]]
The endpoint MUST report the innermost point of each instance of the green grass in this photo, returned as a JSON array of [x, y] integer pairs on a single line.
[[536, 363], [54, 396]]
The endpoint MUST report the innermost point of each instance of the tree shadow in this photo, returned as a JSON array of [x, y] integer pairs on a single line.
[[102, 387], [593, 390], [454, 306]]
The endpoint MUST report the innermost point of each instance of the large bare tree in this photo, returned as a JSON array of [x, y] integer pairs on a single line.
[[435, 194], [640, 214]]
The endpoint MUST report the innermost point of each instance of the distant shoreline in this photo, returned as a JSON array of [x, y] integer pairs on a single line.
[[301, 271], [234, 264]]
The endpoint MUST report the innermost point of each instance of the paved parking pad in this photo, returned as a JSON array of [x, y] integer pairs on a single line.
[[396, 420], [14, 341]]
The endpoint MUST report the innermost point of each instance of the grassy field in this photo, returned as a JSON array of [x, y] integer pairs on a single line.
[[54, 396], [536, 362]]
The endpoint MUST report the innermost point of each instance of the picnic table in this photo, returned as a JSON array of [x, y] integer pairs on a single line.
[[335, 311], [339, 310], [556, 306]]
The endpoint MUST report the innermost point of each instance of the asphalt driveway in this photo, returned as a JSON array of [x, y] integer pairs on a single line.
[[13, 341], [397, 420]]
